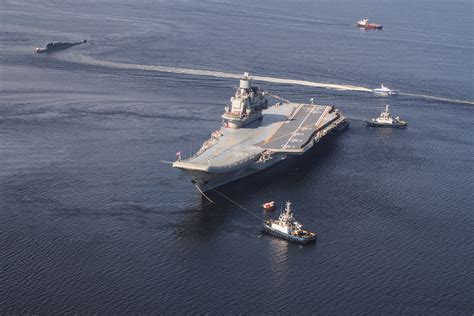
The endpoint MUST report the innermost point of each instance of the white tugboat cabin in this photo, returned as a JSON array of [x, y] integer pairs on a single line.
[[288, 228], [386, 120]]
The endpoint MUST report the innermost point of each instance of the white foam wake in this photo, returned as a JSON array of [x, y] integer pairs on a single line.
[[219, 74], [211, 73], [431, 97]]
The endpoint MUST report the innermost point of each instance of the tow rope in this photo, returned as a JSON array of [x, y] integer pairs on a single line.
[[200, 191], [229, 199]]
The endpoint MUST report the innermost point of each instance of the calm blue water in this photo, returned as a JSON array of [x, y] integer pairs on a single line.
[[91, 220]]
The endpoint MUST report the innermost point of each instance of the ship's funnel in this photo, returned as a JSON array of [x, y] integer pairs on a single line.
[[246, 81]]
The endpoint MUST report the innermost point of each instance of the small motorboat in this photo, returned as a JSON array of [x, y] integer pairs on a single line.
[[288, 228], [269, 206], [386, 120], [384, 91], [365, 24]]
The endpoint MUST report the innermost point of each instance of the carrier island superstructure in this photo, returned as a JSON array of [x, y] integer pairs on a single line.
[[255, 136]]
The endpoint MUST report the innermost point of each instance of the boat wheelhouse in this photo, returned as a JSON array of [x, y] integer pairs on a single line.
[[386, 120], [288, 228]]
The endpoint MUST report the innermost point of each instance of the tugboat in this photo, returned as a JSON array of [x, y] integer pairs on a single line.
[[57, 46], [384, 91], [288, 228], [364, 23], [386, 120]]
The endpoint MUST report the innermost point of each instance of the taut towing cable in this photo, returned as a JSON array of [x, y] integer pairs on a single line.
[[200, 191], [239, 205]]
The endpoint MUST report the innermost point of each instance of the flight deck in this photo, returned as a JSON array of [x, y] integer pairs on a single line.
[[299, 128]]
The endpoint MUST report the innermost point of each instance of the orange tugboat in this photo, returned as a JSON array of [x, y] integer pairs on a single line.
[[364, 23]]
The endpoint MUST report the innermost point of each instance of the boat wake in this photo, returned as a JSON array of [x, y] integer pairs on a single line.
[[435, 98], [220, 74], [211, 73]]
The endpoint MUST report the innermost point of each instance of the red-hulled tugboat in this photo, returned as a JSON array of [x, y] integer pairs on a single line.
[[364, 23]]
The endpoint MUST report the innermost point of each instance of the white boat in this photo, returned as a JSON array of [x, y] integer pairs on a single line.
[[384, 91], [386, 120], [288, 228]]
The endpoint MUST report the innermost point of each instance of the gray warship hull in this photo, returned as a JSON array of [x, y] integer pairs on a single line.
[[285, 130], [52, 47]]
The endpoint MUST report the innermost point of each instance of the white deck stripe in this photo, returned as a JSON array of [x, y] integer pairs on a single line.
[[301, 124]]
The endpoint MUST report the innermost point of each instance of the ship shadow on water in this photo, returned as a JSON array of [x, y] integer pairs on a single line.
[[202, 223], [287, 173]]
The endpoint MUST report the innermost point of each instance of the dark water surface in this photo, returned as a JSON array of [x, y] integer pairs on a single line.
[[91, 220]]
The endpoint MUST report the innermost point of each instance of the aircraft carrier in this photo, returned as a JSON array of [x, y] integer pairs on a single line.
[[255, 136]]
